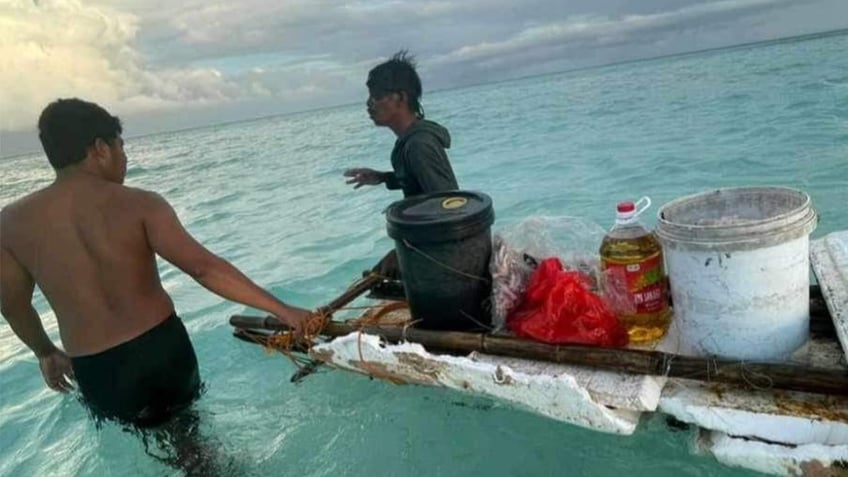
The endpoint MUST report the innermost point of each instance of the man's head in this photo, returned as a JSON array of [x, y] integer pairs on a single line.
[[73, 131], [394, 90]]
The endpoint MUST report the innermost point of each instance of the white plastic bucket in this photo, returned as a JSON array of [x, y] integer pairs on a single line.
[[738, 266]]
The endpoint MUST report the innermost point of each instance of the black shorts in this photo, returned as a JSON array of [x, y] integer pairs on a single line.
[[144, 381]]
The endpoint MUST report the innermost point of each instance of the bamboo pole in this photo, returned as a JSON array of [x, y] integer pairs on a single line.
[[352, 293], [749, 375]]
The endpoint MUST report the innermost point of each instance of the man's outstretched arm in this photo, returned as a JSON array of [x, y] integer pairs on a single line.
[[170, 240]]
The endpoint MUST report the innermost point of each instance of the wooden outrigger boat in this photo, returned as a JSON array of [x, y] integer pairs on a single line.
[[788, 418]]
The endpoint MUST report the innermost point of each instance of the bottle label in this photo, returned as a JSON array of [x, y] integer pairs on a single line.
[[635, 288]]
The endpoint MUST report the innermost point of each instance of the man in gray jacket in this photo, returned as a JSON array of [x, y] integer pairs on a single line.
[[420, 163]]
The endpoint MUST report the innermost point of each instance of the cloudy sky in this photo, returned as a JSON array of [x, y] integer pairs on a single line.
[[168, 64]]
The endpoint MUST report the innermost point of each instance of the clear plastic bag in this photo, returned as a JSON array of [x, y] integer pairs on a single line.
[[511, 269], [519, 248]]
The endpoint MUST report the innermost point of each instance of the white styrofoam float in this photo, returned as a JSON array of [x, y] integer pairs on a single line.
[[808, 460], [560, 396], [771, 416]]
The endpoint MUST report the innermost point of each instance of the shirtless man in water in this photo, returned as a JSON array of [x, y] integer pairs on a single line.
[[90, 244]]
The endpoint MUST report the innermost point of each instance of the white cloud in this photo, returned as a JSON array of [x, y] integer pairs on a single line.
[[353, 30], [600, 30], [62, 48]]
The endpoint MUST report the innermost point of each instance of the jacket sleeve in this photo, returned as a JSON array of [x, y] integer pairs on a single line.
[[428, 163], [391, 180]]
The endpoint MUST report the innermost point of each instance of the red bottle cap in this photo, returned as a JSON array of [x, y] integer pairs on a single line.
[[626, 207]]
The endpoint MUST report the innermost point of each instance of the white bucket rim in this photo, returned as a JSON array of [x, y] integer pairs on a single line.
[[790, 224]]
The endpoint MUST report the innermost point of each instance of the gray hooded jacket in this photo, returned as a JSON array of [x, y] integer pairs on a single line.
[[420, 161]]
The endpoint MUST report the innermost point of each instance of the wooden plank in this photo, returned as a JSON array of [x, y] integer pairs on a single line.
[[829, 259]]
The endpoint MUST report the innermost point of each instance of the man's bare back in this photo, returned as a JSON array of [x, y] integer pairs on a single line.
[[87, 244]]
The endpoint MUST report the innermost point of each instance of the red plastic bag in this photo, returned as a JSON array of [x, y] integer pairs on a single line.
[[558, 308]]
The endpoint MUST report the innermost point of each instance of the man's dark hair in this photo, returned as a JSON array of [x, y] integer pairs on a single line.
[[396, 75], [67, 127]]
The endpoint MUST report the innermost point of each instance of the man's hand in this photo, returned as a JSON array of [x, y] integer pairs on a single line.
[[55, 367], [363, 176], [297, 319]]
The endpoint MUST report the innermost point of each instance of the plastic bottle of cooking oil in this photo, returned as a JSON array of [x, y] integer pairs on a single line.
[[633, 274]]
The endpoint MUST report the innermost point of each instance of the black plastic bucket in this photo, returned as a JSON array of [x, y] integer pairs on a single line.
[[443, 242]]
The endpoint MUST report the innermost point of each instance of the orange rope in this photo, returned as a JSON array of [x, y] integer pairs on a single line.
[[284, 341]]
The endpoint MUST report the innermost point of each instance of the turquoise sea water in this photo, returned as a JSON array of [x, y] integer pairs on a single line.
[[268, 195]]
